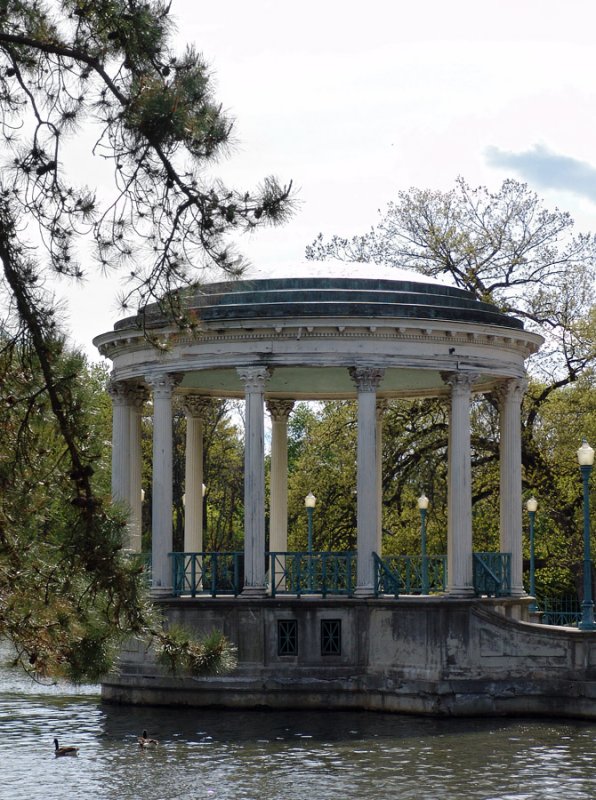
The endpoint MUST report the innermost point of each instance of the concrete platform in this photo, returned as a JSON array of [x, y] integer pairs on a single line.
[[423, 655]]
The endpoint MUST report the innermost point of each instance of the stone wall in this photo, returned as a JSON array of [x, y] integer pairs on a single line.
[[410, 655]]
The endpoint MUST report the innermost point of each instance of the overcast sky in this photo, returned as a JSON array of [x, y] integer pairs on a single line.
[[356, 101]]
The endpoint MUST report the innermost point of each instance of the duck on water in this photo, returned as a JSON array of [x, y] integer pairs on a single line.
[[145, 742], [64, 751]]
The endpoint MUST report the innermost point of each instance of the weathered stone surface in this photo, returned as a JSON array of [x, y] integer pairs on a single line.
[[421, 656]]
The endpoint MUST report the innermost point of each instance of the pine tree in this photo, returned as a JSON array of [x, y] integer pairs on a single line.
[[68, 70]]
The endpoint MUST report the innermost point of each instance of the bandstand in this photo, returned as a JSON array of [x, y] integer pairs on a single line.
[[317, 336], [328, 332]]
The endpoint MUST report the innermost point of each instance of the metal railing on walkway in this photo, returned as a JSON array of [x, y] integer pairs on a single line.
[[492, 574], [207, 573], [564, 611], [403, 574], [322, 573], [410, 574]]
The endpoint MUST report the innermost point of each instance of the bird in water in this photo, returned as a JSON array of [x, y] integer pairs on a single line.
[[145, 742], [64, 751]]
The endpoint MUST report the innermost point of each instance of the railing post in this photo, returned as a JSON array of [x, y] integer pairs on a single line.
[[272, 572], [213, 574], [298, 562], [236, 574], [193, 575]]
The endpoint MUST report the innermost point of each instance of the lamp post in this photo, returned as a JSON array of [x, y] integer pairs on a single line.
[[532, 505], [585, 459], [310, 502], [423, 507]]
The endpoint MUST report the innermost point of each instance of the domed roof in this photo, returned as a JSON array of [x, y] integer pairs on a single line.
[[310, 323], [363, 270], [313, 289], [317, 289]]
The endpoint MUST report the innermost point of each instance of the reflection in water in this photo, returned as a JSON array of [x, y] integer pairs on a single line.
[[264, 755]]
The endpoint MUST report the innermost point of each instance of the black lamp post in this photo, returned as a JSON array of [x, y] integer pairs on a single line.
[[585, 459], [532, 505], [423, 507]]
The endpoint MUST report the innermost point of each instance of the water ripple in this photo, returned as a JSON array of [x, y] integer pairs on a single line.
[[280, 755]]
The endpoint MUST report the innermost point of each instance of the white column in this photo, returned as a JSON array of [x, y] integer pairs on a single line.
[[138, 398], [195, 408], [280, 411], [367, 381], [254, 379], [510, 395], [459, 491], [120, 394], [381, 408], [161, 526]]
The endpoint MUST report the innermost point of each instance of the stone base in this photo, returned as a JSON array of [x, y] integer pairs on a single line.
[[160, 592], [411, 655], [254, 592]]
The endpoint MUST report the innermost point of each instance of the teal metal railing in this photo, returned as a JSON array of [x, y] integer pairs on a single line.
[[492, 574], [301, 573], [564, 611], [410, 574], [207, 573]]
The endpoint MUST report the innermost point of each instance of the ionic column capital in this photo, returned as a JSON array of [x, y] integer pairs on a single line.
[[280, 410], [253, 378], [366, 379]]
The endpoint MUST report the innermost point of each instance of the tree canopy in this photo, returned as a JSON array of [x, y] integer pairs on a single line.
[[83, 80], [505, 247], [508, 249], [73, 68]]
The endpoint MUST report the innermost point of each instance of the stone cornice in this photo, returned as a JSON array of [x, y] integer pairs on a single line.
[[464, 335]]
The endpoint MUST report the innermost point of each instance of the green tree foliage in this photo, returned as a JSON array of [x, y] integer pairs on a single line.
[[322, 461], [509, 250], [505, 247], [223, 477], [109, 64], [68, 596], [69, 70], [223, 528]]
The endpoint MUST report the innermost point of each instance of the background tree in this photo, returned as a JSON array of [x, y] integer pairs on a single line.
[[507, 249], [223, 478], [321, 460], [108, 65]]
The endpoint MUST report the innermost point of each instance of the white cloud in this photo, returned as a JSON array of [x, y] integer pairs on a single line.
[[548, 170]]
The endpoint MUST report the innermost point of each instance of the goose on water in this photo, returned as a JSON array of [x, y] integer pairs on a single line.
[[145, 742], [64, 751]]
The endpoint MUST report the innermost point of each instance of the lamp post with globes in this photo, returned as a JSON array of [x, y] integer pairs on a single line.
[[585, 459], [310, 502], [423, 507], [532, 505]]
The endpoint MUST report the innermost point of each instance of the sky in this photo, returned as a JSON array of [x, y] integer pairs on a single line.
[[355, 102]]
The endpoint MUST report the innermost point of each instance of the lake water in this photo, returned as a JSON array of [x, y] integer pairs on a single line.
[[278, 755]]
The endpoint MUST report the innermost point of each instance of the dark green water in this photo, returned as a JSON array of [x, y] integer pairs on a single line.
[[280, 755]]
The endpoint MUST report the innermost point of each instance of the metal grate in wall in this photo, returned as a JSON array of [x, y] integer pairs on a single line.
[[287, 637], [330, 637]]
